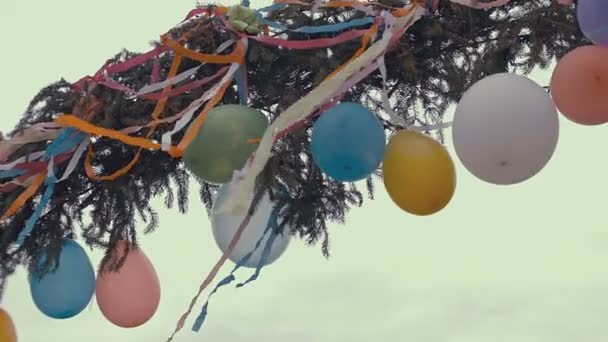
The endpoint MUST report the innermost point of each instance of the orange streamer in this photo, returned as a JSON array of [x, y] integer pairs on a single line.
[[25, 196], [84, 126], [203, 57], [364, 44]]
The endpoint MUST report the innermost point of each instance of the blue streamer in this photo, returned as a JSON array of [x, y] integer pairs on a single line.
[[241, 83], [12, 173], [200, 320], [274, 7], [68, 139], [271, 225], [331, 28], [64, 142], [31, 222]]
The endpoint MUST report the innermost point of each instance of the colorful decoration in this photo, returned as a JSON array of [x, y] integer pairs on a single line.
[[348, 142], [225, 226], [225, 142], [579, 85], [130, 297], [66, 291], [418, 172], [505, 129], [7, 327], [591, 16]]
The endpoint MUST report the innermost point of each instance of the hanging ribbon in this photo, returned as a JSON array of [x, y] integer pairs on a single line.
[[209, 278]]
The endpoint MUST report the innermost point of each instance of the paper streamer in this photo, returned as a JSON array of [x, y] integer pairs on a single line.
[[207, 281], [241, 191], [331, 28], [31, 222], [188, 113], [310, 43]]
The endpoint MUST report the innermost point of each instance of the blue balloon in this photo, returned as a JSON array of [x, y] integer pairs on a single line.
[[66, 291], [348, 142]]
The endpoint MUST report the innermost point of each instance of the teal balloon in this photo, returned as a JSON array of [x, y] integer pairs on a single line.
[[66, 291], [348, 142], [222, 145]]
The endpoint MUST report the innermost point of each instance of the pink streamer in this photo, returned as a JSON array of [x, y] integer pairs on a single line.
[[311, 43]]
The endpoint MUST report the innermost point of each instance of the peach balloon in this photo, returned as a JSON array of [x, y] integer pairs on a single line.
[[579, 85], [7, 328], [130, 297]]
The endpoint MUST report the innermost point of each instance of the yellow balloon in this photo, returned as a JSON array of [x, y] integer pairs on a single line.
[[419, 174], [7, 328]]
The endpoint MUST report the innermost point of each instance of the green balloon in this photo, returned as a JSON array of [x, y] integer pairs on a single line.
[[222, 145]]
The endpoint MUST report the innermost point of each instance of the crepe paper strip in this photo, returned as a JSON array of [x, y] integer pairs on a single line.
[[209, 278], [84, 126], [241, 191], [202, 57], [11, 173], [394, 118], [75, 158], [34, 167], [24, 196], [90, 171], [30, 135], [197, 124], [336, 98], [364, 44], [200, 120], [21, 160], [187, 114], [330, 28], [184, 88], [272, 227], [31, 221], [182, 76], [310, 43], [240, 78], [426, 128], [158, 110]]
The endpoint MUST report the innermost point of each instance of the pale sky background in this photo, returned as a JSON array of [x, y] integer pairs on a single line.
[[500, 264]]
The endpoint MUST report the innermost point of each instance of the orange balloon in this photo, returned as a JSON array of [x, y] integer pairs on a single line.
[[579, 85], [128, 298], [7, 328], [419, 174]]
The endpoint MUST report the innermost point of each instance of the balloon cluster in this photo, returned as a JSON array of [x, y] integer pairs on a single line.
[[127, 298]]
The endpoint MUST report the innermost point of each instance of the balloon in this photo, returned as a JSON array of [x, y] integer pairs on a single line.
[[225, 225], [418, 173], [223, 144], [66, 291], [592, 19], [505, 129], [579, 85], [128, 298], [348, 142], [7, 328]]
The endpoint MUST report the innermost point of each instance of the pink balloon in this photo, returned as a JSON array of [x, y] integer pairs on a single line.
[[128, 298]]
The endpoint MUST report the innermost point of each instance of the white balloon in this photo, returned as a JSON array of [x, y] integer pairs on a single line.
[[505, 129], [225, 225]]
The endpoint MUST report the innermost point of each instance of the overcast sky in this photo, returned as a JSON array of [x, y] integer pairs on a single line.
[[502, 264]]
